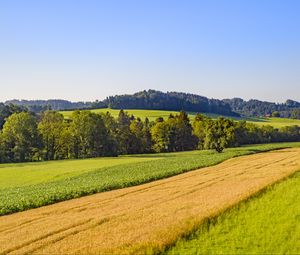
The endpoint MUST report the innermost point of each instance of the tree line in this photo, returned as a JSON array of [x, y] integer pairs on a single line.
[[29, 137]]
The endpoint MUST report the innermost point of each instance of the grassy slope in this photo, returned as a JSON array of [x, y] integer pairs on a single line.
[[267, 224], [19, 198], [153, 114]]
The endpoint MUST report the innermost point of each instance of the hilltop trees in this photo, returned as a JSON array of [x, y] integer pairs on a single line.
[[260, 108], [175, 101]]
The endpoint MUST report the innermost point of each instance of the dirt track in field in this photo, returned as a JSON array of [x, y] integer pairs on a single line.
[[148, 216]]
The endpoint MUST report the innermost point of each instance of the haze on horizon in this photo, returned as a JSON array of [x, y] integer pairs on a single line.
[[88, 49]]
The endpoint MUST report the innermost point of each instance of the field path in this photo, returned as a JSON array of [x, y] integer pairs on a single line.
[[151, 215]]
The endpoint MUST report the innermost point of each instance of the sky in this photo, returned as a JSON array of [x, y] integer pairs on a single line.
[[90, 49]]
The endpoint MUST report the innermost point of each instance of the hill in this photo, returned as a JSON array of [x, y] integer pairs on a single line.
[[173, 101], [54, 104], [261, 108]]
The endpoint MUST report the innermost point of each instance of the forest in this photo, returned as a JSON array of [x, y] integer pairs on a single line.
[[173, 101], [26, 136]]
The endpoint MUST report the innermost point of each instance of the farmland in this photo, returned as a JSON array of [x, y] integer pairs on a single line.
[[267, 224], [24, 174], [153, 114], [59, 180], [96, 224]]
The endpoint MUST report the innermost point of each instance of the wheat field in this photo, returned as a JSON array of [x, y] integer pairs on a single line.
[[146, 218]]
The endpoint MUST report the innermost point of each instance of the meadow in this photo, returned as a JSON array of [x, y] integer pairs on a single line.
[[150, 114], [266, 224], [148, 218], [154, 114], [66, 182]]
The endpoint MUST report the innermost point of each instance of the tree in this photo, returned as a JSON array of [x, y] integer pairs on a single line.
[[51, 128], [199, 129], [126, 139], [161, 136], [2, 150], [147, 139], [20, 137], [182, 137], [276, 114], [111, 127], [137, 130], [7, 110], [295, 114], [219, 134], [90, 136]]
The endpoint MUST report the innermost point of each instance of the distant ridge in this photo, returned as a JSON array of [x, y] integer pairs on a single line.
[[173, 101]]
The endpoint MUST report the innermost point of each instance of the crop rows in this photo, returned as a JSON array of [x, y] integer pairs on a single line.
[[22, 198]]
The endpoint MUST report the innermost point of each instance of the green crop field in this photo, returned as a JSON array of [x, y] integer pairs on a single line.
[[266, 224], [23, 174], [153, 114], [50, 182]]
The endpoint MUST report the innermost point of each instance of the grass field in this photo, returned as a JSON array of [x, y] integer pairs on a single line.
[[150, 217], [17, 196], [275, 122], [153, 114], [267, 224], [150, 114]]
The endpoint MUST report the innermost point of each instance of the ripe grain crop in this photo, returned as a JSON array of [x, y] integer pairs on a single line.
[[145, 218], [19, 197]]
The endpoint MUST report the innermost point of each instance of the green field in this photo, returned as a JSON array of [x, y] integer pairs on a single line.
[[150, 114], [275, 122], [23, 174], [153, 114], [266, 224], [66, 182]]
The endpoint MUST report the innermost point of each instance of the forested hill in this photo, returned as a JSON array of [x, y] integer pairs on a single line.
[[256, 108], [54, 104], [173, 101]]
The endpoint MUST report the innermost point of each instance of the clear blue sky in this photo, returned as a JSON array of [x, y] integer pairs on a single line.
[[89, 49]]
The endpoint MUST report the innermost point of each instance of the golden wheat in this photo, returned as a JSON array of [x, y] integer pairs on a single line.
[[144, 218]]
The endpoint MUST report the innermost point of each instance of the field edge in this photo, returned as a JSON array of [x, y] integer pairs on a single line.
[[209, 222]]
